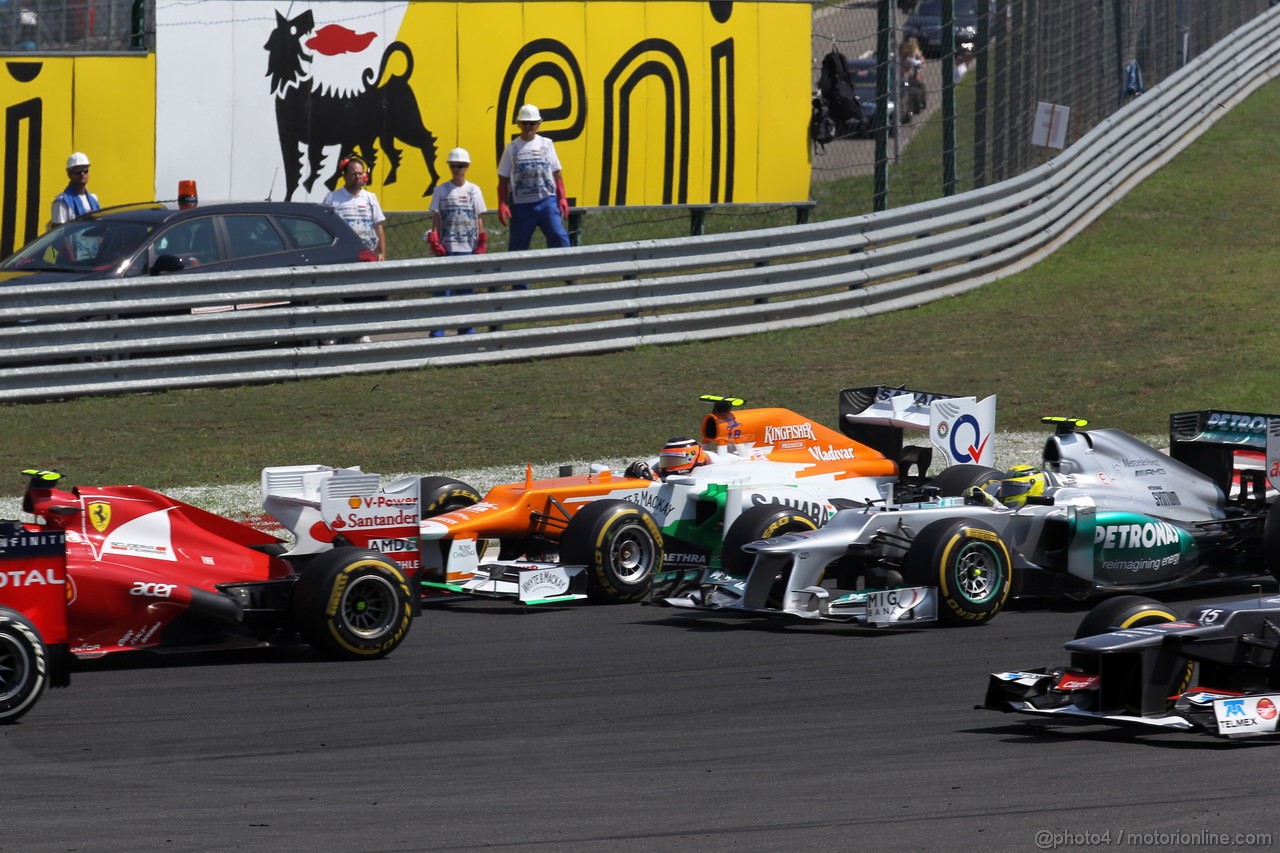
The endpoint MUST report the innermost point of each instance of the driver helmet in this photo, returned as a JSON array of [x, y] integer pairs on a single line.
[[680, 456], [1020, 483]]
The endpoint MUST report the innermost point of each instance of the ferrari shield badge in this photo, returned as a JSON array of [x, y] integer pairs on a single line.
[[100, 516]]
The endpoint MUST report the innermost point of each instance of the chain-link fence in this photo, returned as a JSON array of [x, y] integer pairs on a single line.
[[58, 26], [1006, 57]]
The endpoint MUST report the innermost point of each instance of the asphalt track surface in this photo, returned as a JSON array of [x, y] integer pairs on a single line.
[[608, 728]]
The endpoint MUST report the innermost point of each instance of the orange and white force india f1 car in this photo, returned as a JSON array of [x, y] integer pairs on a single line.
[[753, 473]]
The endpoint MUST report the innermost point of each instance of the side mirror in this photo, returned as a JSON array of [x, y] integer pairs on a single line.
[[167, 263]]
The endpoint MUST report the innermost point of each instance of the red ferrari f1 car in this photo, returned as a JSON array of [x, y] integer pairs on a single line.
[[33, 617], [146, 571]]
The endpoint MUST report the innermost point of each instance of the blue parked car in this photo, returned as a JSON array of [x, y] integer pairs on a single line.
[[925, 24]]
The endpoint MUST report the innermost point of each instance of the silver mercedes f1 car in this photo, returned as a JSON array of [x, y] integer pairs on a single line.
[[1102, 513]]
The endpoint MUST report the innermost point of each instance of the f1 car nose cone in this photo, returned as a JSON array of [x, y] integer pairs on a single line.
[[432, 530]]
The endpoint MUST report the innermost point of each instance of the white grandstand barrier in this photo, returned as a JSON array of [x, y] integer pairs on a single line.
[[141, 336]]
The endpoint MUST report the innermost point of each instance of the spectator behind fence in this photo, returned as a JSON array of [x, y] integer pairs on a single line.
[[910, 61], [964, 59]]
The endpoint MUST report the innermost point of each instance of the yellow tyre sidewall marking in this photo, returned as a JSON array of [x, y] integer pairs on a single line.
[[1132, 620], [943, 577], [445, 498], [772, 529], [335, 603], [605, 537]]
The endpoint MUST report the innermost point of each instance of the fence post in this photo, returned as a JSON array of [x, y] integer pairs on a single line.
[[948, 98], [698, 221], [981, 70], [576, 215], [884, 49], [138, 25]]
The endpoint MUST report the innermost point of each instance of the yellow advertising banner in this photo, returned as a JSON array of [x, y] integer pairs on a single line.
[[648, 103], [103, 106]]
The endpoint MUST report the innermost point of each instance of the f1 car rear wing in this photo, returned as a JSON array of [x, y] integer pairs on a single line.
[[1209, 439], [319, 505], [962, 428]]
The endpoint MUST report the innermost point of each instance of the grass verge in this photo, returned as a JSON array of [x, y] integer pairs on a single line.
[[1161, 305]]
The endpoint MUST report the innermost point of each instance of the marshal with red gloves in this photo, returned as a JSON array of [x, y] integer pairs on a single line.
[[457, 208], [531, 192], [438, 249]]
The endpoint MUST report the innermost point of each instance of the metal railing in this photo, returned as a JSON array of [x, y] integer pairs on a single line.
[[696, 214], [600, 298]]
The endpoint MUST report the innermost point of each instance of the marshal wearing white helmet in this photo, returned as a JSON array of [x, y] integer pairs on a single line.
[[456, 210], [75, 200], [531, 193]]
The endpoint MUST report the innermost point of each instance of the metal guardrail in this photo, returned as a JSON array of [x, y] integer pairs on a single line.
[[697, 214], [601, 298]]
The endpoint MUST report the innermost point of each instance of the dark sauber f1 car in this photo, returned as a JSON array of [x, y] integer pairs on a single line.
[[1104, 513], [1133, 663], [147, 571]]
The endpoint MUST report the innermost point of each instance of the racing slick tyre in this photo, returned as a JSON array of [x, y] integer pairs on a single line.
[[1118, 614], [24, 666], [1271, 540], [352, 604], [969, 564], [1124, 611], [621, 546], [956, 480], [438, 495], [761, 522]]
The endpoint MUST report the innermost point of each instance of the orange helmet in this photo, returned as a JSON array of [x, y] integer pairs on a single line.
[[680, 456]]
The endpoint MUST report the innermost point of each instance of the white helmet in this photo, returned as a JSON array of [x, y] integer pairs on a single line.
[[458, 155], [77, 159], [529, 113]]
